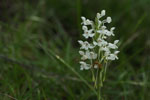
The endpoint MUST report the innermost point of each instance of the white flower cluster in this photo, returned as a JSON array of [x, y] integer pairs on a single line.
[[98, 49]]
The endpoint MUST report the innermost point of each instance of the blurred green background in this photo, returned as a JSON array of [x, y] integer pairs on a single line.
[[34, 32]]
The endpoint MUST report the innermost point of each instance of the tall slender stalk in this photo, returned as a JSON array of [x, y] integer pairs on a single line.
[[98, 85]]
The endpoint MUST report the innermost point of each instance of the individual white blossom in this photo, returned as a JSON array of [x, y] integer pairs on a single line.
[[100, 15], [85, 45], [112, 31], [96, 47], [86, 21], [102, 31], [112, 46], [106, 50], [87, 55], [84, 66], [84, 28], [91, 55], [101, 42], [112, 57], [84, 55], [87, 33]]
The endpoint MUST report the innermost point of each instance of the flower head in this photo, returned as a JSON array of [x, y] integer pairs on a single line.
[[97, 48]]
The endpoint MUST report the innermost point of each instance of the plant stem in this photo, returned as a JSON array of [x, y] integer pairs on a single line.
[[105, 71], [98, 93], [99, 87]]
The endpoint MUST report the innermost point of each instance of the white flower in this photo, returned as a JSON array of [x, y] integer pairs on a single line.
[[112, 57], [106, 49], [108, 20], [87, 55], [101, 15], [84, 66], [85, 45], [106, 54], [116, 41], [91, 55], [86, 21], [112, 46], [112, 31], [106, 32], [84, 28], [101, 42], [84, 55], [103, 31], [87, 33]]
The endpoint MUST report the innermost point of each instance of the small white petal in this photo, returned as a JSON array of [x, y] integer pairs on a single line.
[[83, 18], [81, 52], [103, 27], [112, 29], [84, 28], [103, 12], [95, 43], [116, 41], [108, 20], [80, 42], [81, 68], [112, 46], [116, 52], [98, 15], [84, 66], [99, 23]]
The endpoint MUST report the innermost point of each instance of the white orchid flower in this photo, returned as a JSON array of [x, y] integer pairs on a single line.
[[85, 45], [84, 66], [86, 21]]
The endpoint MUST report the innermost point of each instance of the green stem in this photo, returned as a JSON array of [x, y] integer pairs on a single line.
[[96, 81], [99, 96], [105, 72], [99, 86], [93, 76]]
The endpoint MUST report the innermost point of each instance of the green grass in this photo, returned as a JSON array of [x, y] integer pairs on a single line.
[[39, 50]]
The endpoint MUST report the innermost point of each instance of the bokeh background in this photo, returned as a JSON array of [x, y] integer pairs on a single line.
[[33, 33]]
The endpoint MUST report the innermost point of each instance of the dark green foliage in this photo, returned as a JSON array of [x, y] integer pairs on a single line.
[[30, 29]]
